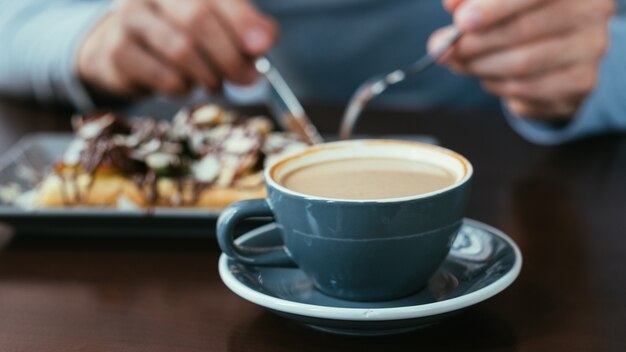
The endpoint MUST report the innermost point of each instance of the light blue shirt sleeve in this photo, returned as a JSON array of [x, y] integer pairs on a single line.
[[602, 112], [39, 40]]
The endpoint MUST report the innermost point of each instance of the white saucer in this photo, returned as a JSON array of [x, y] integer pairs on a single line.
[[483, 261]]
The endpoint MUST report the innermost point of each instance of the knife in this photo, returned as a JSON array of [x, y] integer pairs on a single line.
[[285, 106]]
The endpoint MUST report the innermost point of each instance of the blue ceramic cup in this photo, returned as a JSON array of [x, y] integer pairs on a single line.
[[362, 250]]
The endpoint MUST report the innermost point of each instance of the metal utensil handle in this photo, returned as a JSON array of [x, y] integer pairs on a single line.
[[263, 65], [374, 87], [295, 118]]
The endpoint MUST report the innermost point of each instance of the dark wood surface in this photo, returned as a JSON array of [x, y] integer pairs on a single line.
[[565, 207]]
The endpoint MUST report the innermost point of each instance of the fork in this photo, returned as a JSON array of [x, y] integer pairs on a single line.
[[378, 84]]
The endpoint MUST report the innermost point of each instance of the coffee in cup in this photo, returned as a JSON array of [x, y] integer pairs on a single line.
[[368, 178], [364, 220]]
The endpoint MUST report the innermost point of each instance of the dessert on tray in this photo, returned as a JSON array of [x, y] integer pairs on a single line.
[[205, 157]]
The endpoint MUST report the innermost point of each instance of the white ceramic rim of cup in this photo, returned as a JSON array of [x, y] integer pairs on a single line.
[[373, 314], [378, 148]]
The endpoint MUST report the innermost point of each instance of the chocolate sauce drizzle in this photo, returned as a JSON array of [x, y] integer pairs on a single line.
[[146, 150]]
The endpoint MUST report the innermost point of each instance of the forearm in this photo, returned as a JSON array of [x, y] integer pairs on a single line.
[[602, 112], [39, 40]]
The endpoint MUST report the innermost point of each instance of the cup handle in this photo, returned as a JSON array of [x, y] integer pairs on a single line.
[[228, 220]]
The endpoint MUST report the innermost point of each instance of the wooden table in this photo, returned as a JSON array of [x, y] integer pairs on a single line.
[[565, 207]]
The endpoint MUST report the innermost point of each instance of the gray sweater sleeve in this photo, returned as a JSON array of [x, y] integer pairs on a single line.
[[38, 44], [603, 111]]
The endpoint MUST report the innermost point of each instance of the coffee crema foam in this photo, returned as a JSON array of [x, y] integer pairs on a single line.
[[368, 178]]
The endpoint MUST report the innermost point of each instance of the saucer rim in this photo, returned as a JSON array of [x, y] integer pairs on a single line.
[[372, 314]]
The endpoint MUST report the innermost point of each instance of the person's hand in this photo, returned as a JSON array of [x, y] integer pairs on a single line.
[[168, 46], [541, 56]]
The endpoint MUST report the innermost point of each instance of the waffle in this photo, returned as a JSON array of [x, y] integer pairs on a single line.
[[205, 157]]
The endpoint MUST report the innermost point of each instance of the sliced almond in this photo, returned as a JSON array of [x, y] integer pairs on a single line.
[[92, 129], [207, 115], [238, 142], [261, 124], [207, 169], [160, 160], [71, 156], [228, 170]]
